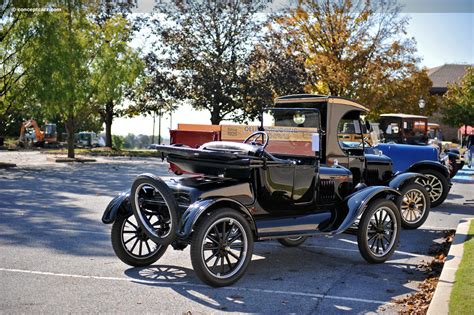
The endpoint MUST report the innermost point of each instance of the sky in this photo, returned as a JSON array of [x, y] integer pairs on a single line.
[[441, 38]]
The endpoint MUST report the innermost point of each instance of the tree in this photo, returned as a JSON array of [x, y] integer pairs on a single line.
[[64, 50], [206, 44], [357, 50], [459, 102], [274, 70], [16, 58], [116, 68]]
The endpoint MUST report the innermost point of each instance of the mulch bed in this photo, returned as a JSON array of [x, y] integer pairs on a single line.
[[419, 301]]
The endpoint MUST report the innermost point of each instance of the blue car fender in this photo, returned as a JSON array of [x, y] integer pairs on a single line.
[[203, 206], [435, 165], [355, 204], [120, 204], [400, 180]]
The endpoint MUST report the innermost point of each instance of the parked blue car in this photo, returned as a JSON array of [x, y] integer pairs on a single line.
[[420, 159]]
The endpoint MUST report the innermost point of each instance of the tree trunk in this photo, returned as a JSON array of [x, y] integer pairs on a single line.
[[70, 137], [215, 117], [109, 116]]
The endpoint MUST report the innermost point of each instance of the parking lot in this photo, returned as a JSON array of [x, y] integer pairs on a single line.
[[56, 254]]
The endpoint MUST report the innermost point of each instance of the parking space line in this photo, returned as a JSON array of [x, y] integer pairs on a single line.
[[187, 284]]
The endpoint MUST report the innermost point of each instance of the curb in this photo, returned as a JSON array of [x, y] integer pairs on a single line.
[[440, 302], [69, 160]]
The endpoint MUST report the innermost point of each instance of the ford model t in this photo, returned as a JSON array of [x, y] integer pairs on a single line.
[[266, 187]]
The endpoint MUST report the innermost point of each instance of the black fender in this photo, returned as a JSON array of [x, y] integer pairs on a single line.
[[356, 203], [120, 204], [201, 207], [400, 180], [437, 166]]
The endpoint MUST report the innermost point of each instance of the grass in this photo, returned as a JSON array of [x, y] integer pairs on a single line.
[[462, 296]]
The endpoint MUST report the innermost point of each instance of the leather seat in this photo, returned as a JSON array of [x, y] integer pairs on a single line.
[[232, 147]]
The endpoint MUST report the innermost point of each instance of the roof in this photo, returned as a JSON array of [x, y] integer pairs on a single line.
[[311, 98], [403, 116], [447, 73]]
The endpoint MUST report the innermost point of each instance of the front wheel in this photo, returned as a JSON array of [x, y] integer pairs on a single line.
[[132, 245], [436, 184], [414, 205], [292, 241], [221, 247], [378, 232]]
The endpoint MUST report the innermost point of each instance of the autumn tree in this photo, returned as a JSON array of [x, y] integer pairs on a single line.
[[459, 102], [358, 50], [206, 44]]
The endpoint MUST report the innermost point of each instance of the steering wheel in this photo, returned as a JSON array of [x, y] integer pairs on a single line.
[[255, 135]]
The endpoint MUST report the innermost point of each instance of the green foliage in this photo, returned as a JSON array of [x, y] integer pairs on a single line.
[[458, 107], [118, 142], [206, 46]]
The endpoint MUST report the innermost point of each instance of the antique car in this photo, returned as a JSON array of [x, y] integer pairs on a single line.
[[371, 165], [404, 128], [246, 193], [415, 130]]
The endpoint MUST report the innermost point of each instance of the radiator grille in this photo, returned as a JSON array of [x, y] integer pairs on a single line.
[[372, 176], [326, 190]]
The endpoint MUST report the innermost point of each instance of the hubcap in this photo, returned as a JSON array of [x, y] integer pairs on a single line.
[[413, 206], [432, 185], [381, 231], [224, 248], [135, 241]]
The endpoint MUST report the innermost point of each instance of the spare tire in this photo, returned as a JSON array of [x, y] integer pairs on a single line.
[[155, 208]]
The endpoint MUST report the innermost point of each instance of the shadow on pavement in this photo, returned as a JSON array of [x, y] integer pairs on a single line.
[[37, 203]]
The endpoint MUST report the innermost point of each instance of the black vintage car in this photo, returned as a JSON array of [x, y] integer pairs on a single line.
[[247, 194]]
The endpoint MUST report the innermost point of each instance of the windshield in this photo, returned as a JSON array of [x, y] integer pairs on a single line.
[[292, 131]]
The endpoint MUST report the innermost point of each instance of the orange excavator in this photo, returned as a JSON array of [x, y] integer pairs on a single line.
[[31, 133]]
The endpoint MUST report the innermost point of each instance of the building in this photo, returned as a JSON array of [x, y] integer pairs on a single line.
[[442, 76]]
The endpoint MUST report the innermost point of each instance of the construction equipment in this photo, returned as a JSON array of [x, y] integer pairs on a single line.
[[31, 134]]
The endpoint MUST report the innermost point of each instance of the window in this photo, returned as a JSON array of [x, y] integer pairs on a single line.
[[349, 133]]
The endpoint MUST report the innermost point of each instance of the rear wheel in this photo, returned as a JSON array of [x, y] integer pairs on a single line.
[[378, 231], [292, 241], [155, 208], [414, 205], [221, 247], [131, 245], [436, 185]]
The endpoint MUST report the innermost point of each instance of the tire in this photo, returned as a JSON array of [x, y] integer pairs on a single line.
[[126, 235], [222, 243], [378, 240], [437, 186], [292, 241], [414, 205], [150, 197]]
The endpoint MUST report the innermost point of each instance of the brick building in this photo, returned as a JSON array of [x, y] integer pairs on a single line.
[[441, 76]]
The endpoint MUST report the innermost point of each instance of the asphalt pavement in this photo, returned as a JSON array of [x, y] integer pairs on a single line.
[[56, 256]]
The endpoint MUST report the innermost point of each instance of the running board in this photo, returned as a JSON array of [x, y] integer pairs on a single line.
[[290, 226]]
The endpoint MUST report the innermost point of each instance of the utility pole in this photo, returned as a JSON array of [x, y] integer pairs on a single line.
[[159, 126], [153, 134]]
